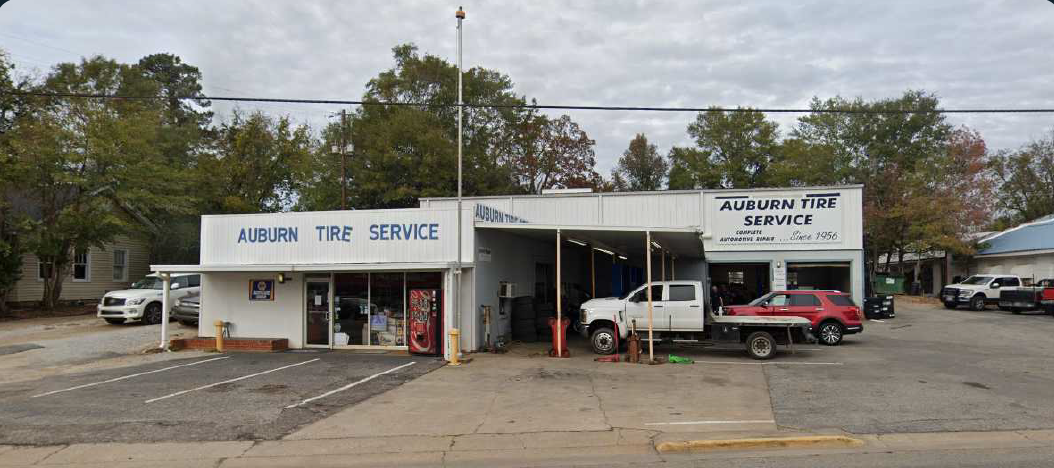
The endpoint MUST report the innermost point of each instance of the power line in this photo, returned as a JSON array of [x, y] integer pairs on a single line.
[[541, 106]]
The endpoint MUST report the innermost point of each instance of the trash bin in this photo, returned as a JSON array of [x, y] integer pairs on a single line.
[[889, 284], [559, 331], [879, 307]]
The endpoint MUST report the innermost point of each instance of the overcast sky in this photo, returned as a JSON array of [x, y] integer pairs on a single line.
[[778, 53]]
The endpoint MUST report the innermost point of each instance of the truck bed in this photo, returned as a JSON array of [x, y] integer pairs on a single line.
[[759, 320]]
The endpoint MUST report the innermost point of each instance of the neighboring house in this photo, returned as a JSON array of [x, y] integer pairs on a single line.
[[1026, 251], [92, 273]]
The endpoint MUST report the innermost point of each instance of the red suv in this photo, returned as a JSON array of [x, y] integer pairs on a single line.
[[832, 313]]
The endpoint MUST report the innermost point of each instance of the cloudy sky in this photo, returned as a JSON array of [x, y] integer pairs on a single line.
[[761, 53]]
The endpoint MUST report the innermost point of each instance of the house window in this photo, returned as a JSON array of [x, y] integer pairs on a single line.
[[43, 270], [120, 265], [735, 277], [81, 265]]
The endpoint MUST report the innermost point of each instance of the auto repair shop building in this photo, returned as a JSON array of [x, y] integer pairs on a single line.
[[339, 279]]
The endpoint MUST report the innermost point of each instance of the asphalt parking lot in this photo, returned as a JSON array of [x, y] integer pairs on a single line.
[[929, 369], [238, 396]]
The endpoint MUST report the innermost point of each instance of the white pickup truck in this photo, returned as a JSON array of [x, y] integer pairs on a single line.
[[679, 314], [978, 290]]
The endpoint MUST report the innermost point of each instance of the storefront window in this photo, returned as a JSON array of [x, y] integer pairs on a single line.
[[387, 324], [352, 308]]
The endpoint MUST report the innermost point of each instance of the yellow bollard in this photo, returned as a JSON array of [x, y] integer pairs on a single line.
[[219, 335], [455, 346]]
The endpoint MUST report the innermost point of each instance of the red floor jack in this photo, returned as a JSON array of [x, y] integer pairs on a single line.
[[614, 357]]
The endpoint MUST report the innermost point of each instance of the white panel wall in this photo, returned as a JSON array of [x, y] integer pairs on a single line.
[[1026, 266], [225, 296], [434, 237], [652, 209]]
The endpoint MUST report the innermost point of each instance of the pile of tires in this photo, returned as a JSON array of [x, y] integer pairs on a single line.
[[523, 319]]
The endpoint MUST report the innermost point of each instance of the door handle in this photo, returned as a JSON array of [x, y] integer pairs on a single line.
[[694, 305], [819, 309], [784, 309]]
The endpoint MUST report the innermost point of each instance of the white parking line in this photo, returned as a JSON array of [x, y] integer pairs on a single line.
[[116, 379], [772, 363], [170, 395], [341, 389], [878, 321], [700, 423]]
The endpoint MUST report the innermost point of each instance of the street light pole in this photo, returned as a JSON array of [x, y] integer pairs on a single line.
[[460, 15]]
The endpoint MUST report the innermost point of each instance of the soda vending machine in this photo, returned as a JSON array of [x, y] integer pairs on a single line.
[[426, 322]]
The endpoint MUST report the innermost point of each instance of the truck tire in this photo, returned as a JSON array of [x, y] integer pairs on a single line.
[[603, 341], [761, 345], [977, 302], [114, 321], [950, 305], [830, 333]]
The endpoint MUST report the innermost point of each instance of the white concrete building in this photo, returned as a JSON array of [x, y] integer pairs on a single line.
[[346, 278]]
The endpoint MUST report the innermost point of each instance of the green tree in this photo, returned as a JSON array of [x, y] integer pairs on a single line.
[[894, 153], [183, 138], [1026, 181], [254, 162], [10, 247], [77, 162], [402, 153], [641, 167], [732, 150]]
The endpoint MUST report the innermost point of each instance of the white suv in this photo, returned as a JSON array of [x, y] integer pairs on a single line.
[[143, 300]]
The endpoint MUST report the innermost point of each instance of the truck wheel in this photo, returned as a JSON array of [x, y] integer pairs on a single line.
[[114, 321], [831, 333], [950, 305], [761, 345], [603, 341], [152, 314], [977, 303]]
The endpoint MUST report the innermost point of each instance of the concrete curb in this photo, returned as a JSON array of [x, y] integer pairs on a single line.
[[758, 443]]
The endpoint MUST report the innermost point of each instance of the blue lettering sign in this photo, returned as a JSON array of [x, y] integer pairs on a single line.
[[412, 231], [491, 215], [267, 235], [333, 233]]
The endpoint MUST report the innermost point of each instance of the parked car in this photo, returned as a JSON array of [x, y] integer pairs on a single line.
[[1026, 297], [678, 313], [187, 309], [142, 301], [979, 290], [833, 314]]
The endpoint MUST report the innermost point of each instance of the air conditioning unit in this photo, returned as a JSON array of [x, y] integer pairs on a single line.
[[507, 290]]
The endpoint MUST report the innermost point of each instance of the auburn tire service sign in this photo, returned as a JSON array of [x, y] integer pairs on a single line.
[[767, 219]]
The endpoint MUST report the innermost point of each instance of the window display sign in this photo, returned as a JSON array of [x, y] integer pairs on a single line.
[[805, 219], [261, 290]]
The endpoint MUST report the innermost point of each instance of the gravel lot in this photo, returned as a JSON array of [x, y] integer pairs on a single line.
[[37, 348]]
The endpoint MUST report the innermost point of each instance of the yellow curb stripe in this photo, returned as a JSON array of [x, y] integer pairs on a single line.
[[774, 442]]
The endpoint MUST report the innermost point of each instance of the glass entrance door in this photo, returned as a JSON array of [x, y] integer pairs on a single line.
[[318, 312]]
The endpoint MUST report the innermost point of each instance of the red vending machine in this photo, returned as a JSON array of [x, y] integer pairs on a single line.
[[426, 322]]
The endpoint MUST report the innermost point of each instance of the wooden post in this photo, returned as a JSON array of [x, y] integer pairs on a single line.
[[663, 263], [673, 267], [647, 253]]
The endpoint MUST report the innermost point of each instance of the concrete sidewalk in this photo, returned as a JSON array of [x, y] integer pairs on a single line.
[[604, 448]]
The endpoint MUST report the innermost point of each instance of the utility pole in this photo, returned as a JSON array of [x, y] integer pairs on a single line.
[[343, 159]]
